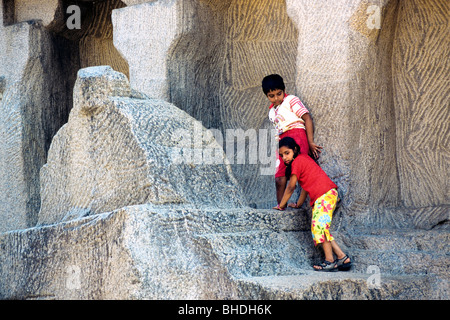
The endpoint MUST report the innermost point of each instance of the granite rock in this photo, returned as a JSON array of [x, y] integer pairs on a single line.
[[118, 150]]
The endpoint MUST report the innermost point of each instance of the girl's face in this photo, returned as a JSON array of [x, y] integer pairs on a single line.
[[276, 96], [286, 154]]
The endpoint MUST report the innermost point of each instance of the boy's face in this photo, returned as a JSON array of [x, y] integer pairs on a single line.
[[276, 96], [286, 154]]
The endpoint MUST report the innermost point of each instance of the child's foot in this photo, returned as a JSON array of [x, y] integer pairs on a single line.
[[325, 266], [344, 263]]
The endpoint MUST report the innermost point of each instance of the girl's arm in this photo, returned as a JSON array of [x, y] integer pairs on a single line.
[[290, 188], [302, 198], [314, 148]]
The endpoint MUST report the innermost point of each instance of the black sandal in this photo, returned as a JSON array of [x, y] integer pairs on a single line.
[[341, 266], [326, 266]]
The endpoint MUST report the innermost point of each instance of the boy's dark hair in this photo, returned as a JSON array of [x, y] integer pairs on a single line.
[[272, 82], [291, 144]]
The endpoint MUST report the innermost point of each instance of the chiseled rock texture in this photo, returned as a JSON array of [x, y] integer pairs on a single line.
[[368, 72], [133, 253], [121, 220], [39, 61], [152, 252], [111, 186], [32, 108], [118, 150]]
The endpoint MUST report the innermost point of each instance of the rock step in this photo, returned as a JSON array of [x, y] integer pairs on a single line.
[[313, 285], [397, 251], [261, 252], [203, 221], [400, 262], [266, 251], [269, 254], [399, 240]]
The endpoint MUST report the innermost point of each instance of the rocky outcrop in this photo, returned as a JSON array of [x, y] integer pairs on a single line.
[[344, 60], [119, 150], [132, 197], [33, 107], [149, 252], [123, 216]]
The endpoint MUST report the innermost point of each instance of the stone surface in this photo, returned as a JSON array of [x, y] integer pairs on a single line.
[[209, 60], [422, 156], [136, 253], [146, 50], [154, 252], [45, 11], [39, 62], [350, 96], [117, 150], [344, 60], [132, 207], [32, 109], [200, 62], [352, 66]]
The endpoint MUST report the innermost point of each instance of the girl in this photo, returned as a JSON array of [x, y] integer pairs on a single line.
[[323, 194]]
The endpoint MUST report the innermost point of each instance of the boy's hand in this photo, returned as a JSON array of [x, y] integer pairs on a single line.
[[315, 149]]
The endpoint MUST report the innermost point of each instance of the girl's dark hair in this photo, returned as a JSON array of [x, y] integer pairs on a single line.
[[272, 82], [289, 143]]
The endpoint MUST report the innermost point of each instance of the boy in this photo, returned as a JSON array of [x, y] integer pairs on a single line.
[[291, 119]]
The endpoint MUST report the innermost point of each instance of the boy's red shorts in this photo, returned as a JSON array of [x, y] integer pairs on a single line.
[[299, 135]]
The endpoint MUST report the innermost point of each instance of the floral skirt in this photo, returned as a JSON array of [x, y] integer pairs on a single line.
[[322, 213]]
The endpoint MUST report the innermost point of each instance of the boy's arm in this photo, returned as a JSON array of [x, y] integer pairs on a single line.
[[314, 148], [290, 188]]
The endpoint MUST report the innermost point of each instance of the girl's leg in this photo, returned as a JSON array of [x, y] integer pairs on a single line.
[[321, 220], [328, 251], [328, 248], [339, 253]]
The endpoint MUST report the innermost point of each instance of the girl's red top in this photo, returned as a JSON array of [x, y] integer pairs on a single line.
[[311, 177]]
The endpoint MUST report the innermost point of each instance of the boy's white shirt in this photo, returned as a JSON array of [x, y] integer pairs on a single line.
[[288, 115]]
